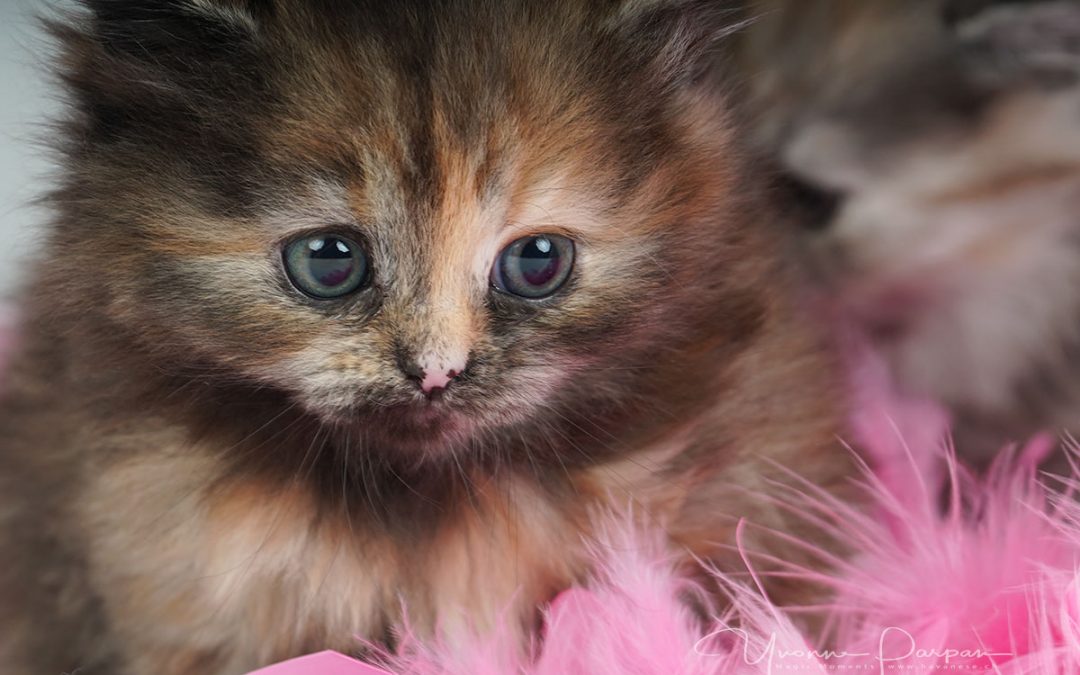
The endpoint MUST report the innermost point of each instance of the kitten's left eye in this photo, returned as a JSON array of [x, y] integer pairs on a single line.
[[534, 267], [326, 266]]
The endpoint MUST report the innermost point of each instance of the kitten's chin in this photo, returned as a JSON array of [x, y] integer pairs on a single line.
[[414, 433]]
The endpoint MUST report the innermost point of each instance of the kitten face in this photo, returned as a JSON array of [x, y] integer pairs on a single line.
[[423, 149]]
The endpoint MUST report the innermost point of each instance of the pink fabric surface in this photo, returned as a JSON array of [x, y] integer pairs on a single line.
[[324, 663]]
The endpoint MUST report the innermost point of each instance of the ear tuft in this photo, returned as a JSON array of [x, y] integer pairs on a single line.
[[169, 31], [235, 13], [681, 33], [239, 15], [128, 64]]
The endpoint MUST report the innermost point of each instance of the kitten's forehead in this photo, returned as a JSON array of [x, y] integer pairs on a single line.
[[446, 168]]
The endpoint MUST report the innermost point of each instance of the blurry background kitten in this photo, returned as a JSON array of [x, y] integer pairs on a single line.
[[936, 148], [354, 306]]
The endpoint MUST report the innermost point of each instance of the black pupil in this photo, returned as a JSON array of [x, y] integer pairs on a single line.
[[331, 261], [540, 261]]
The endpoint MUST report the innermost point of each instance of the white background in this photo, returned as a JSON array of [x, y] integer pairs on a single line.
[[27, 103]]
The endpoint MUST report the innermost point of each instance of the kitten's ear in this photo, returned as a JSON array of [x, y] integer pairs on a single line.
[[128, 49], [131, 63], [169, 31], [680, 35]]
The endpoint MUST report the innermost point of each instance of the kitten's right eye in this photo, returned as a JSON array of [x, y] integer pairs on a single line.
[[326, 267], [534, 267]]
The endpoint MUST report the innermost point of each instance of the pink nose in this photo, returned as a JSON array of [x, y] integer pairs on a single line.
[[434, 373], [436, 380]]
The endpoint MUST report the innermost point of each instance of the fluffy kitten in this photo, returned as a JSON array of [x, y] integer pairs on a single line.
[[350, 306], [946, 164]]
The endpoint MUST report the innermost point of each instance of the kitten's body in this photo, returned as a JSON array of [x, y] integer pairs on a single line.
[[203, 471], [951, 151]]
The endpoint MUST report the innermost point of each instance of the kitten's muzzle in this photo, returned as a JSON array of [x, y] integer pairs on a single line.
[[433, 377]]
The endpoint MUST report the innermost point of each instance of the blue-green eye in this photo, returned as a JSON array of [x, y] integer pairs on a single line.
[[326, 266], [534, 267]]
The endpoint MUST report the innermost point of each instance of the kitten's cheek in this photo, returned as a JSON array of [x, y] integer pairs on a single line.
[[332, 383], [531, 387]]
